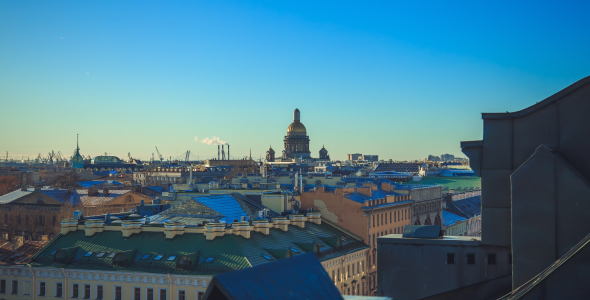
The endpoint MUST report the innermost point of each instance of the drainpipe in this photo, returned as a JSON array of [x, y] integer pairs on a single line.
[[65, 287], [170, 282], [33, 289]]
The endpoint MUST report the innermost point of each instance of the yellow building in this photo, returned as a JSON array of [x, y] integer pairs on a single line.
[[130, 260]]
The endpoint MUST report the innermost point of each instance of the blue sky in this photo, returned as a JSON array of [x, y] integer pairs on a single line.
[[397, 79]]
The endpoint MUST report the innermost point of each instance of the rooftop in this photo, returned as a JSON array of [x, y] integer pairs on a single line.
[[449, 182]]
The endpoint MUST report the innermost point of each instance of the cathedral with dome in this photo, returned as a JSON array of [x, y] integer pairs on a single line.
[[296, 142]]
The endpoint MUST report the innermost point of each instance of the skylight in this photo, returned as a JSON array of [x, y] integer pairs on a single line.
[[159, 256], [209, 259], [53, 252], [101, 254], [146, 256], [112, 255], [171, 257], [294, 250], [88, 253], [267, 257]]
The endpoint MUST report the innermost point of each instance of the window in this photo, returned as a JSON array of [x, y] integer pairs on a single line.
[[118, 293], [136, 293], [171, 257], [88, 253], [294, 250], [200, 295], [150, 294], [395, 217], [358, 267], [390, 219], [99, 292], [26, 288], [338, 274], [267, 257], [450, 258], [87, 291], [146, 256], [112, 255], [42, 288], [75, 290], [101, 254], [181, 295], [385, 217], [373, 221], [3, 286], [58, 290], [491, 259], [162, 294], [347, 271], [352, 270], [159, 256], [471, 258], [209, 259], [333, 275], [363, 265], [14, 290]]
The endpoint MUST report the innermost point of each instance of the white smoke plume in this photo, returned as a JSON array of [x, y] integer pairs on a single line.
[[212, 141]]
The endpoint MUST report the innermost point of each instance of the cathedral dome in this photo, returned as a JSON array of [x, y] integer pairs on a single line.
[[296, 127]]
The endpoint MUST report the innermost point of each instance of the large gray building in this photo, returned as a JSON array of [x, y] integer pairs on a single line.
[[535, 172]]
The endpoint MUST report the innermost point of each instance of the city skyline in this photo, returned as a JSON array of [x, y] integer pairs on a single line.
[[396, 80]]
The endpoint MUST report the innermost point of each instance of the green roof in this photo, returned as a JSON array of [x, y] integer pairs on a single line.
[[450, 182], [230, 252]]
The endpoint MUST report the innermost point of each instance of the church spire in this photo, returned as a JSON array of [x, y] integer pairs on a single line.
[[77, 146]]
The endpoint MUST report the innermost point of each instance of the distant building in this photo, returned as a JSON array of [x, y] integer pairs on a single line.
[[77, 159], [409, 168], [447, 157], [270, 155], [371, 158], [355, 156], [296, 141], [324, 154], [433, 158]]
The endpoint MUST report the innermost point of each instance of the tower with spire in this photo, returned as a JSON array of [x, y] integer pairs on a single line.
[[77, 159]]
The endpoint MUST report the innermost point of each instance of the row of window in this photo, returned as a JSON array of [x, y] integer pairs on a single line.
[[427, 208], [157, 257], [85, 292], [356, 289], [39, 219], [397, 230], [394, 216], [470, 258], [347, 271]]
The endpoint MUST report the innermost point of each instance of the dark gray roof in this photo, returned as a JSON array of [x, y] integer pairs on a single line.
[[468, 207], [399, 167]]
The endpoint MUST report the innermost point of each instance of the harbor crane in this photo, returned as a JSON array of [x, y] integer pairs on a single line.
[[160, 155]]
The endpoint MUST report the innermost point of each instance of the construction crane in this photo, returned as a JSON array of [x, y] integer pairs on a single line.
[[50, 156], [160, 155]]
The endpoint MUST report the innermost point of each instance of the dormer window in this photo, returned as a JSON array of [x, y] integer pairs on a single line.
[[159, 256], [146, 256], [267, 257], [112, 255], [88, 253], [209, 259], [101, 254], [294, 250], [171, 258]]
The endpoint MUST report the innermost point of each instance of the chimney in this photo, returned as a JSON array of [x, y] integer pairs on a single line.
[[71, 189], [5, 236], [93, 190], [105, 191], [44, 238], [24, 188], [37, 188], [18, 241], [228, 152], [218, 152]]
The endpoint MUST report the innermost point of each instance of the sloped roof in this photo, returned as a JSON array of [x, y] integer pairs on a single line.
[[231, 252], [450, 218], [299, 277], [468, 207], [21, 255], [61, 195], [100, 198], [399, 167]]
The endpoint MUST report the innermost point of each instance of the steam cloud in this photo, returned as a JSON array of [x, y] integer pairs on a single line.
[[212, 141]]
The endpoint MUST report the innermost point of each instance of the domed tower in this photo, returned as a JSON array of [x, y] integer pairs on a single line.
[[296, 140], [270, 155], [324, 153], [77, 159]]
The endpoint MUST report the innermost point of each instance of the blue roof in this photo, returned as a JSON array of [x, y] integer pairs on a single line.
[[467, 207], [389, 204], [226, 205], [298, 277], [157, 188], [451, 218], [361, 198], [96, 183]]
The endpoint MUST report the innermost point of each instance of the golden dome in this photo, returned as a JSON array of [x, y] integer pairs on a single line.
[[296, 127]]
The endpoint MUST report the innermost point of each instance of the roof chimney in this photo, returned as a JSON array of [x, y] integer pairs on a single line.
[[24, 188], [93, 190], [105, 191], [18, 241]]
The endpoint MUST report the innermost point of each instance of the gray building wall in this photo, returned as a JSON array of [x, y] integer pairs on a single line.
[[427, 206], [535, 171], [412, 268]]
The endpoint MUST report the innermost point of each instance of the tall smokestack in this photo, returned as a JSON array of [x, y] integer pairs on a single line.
[[218, 152], [228, 157]]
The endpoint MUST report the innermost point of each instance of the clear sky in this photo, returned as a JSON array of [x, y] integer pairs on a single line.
[[397, 79]]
